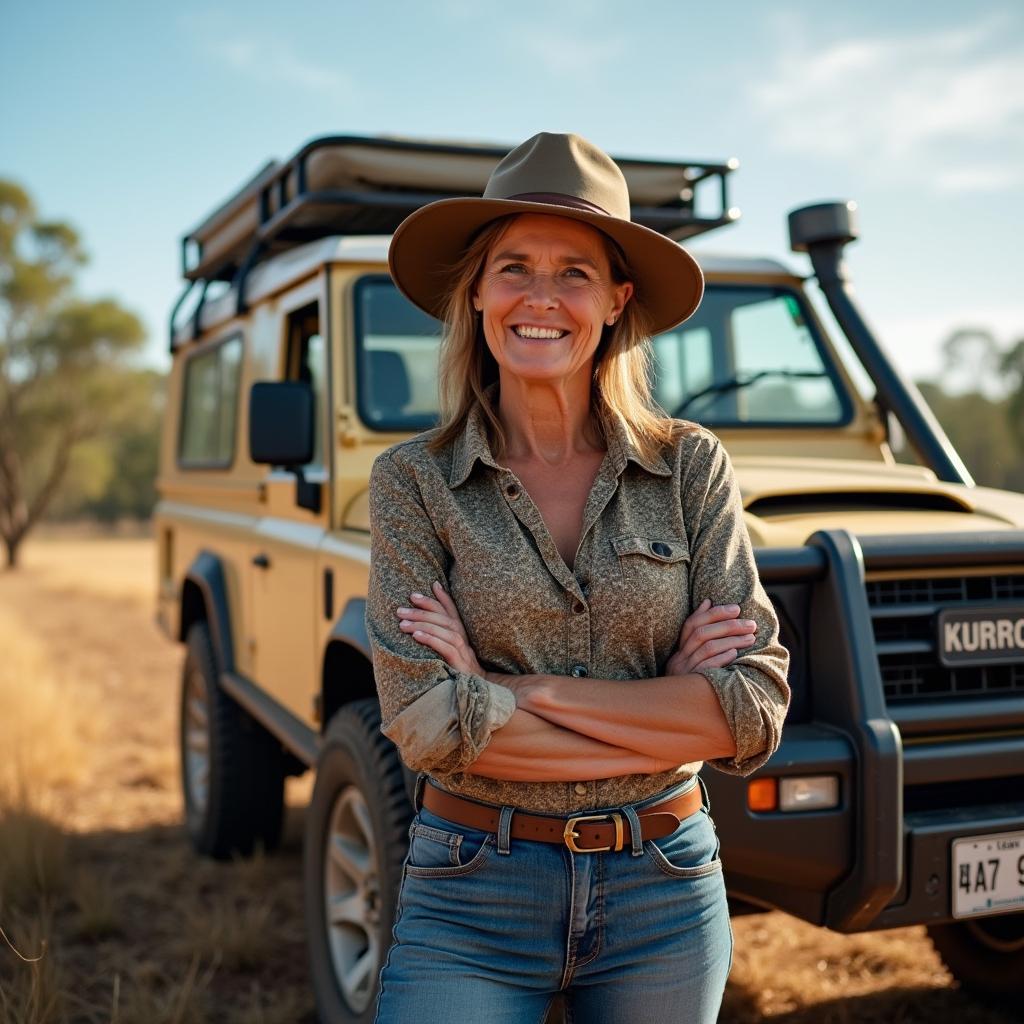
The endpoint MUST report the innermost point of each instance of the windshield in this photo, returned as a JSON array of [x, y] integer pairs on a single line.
[[748, 357]]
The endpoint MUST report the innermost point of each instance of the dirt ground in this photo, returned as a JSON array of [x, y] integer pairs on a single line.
[[111, 918]]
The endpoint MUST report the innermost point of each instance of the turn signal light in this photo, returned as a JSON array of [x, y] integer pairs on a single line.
[[762, 795]]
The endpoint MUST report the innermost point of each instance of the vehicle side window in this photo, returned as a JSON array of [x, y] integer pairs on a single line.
[[396, 358], [306, 360], [210, 406]]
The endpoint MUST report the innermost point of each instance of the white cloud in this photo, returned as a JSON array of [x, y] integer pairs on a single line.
[[266, 59], [976, 179], [572, 38], [577, 55], [907, 108], [275, 61]]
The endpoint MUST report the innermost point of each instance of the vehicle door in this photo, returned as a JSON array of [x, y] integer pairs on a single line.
[[284, 554]]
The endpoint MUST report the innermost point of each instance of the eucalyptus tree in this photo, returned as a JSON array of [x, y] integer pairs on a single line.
[[63, 362]]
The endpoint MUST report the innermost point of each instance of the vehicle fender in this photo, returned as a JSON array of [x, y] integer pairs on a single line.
[[347, 672], [204, 595], [350, 627]]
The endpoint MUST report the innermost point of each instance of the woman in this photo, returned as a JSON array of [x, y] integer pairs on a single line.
[[565, 618]]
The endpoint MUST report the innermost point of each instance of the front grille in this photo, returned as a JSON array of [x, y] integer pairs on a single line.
[[941, 796], [945, 589], [903, 614]]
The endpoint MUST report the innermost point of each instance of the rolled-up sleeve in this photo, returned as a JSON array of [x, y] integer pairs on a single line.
[[752, 689], [440, 719]]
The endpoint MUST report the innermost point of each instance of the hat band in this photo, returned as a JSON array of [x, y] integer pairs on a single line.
[[560, 199]]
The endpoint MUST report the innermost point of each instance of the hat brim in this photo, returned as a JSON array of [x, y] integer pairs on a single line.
[[668, 280]]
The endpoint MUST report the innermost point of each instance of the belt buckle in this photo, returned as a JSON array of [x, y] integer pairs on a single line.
[[570, 835]]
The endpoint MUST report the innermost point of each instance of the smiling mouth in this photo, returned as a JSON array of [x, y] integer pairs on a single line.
[[538, 333]]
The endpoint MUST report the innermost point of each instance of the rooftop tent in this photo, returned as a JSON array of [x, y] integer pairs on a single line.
[[356, 185], [367, 186]]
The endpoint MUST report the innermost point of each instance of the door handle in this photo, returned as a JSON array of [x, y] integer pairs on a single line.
[[328, 594], [261, 561]]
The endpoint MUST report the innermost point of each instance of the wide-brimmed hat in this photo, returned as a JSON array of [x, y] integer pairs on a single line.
[[556, 174]]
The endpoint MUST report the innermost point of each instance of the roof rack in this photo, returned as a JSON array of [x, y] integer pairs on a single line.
[[364, 185]]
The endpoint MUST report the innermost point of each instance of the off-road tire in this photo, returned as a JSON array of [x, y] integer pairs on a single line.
[[986, 955], [243, 804], [359, 794]]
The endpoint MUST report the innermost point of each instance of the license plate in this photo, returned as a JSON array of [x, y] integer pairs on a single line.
[[980, 636], [988, 874]]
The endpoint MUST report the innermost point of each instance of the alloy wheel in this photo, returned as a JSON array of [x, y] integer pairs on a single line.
[[352, 899]]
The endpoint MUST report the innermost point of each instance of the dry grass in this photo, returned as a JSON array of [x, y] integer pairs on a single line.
[[43, 748], [101, 566], [792, 972], [37, 992], [129, 927], [95, 872]]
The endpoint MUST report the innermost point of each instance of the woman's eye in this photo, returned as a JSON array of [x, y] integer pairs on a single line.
[[576, 272], [513, 268]]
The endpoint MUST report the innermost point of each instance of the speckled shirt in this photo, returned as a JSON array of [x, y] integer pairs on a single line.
[[659, 536]]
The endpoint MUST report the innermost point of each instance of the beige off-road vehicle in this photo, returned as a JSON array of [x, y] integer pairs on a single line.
[[897, 795]]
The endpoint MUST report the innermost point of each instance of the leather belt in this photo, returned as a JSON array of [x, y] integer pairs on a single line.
[[582, 833]]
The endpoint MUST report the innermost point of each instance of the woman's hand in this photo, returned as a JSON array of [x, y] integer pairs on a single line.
[[711, 637], [435, 623]]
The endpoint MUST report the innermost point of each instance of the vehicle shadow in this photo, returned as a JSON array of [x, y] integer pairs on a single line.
[[893, 1006], [903, 1005]]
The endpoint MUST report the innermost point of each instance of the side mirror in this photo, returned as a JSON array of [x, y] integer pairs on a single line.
[[281, 423], [281, 432]]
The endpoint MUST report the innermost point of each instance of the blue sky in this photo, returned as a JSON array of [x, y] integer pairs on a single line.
[[132, 121]]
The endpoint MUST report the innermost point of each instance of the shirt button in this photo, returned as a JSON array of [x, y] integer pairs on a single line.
[[661, 549], [579, 607], [512, 491], [580, 788], [578, 671]]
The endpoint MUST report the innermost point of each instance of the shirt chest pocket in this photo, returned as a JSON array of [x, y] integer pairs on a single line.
[[657, 566]]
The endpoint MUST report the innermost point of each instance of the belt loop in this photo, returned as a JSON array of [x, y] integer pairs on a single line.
[[704, 791], [634, 830], [417, 793], [505, 829]]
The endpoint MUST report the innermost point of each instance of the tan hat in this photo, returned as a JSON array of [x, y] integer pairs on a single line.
[[556, 174]]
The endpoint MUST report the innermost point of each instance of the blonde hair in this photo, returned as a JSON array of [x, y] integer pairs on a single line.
[[622, 360]]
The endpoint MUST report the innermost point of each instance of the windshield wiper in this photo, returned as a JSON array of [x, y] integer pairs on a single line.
[[737, 383]]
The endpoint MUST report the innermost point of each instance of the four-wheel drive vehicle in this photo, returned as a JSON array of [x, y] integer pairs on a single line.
[[897, 795]]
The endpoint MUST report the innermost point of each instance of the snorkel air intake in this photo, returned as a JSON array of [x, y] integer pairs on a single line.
[[823, 231]]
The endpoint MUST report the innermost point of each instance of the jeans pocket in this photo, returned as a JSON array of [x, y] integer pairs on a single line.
[[691, 851], [439, 848]]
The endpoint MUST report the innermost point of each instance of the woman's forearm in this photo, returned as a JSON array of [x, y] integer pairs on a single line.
[[530, 749], [674, 719]]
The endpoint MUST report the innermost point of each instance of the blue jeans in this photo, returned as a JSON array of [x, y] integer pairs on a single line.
[[490, 928]]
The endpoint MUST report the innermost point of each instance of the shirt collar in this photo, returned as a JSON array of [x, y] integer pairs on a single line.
[[473, 444]]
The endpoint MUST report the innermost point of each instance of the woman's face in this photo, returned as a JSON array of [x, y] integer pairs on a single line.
[[545, 294]]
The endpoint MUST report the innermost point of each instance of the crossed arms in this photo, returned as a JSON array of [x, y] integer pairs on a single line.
[[716, 701], [562, 730]]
